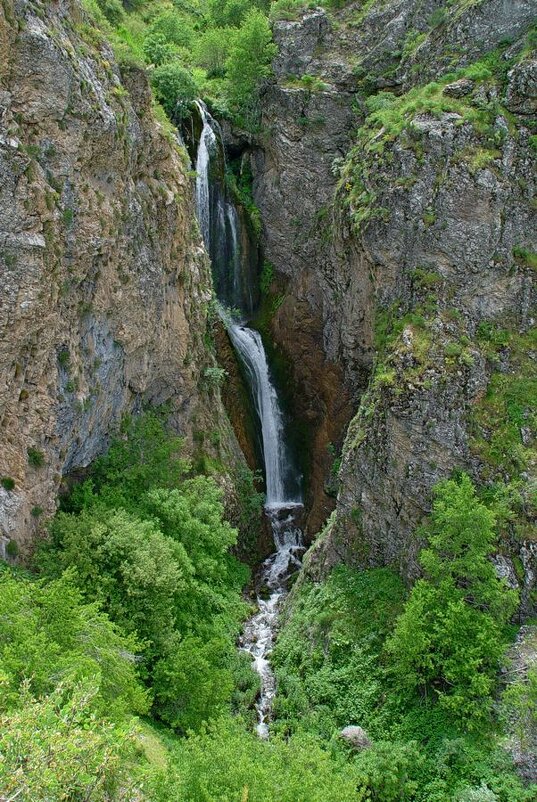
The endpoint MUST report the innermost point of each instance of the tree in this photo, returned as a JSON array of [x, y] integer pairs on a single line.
[[192, 683], [55, 748], [175, 28], [450, 637], [157, 50], [212, 50], [47, 632], [174, 87], [249, 61]]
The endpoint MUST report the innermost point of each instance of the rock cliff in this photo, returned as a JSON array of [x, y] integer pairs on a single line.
[[400, 209], [105, 283]]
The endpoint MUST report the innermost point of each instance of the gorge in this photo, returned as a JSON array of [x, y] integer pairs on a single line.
[[267, 401], [283, 497]]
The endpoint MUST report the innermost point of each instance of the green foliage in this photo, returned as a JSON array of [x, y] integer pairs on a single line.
[[391, 117], [112, 10], [174, 87], [157, 50], [332, 675], [214, 377], [8, 483], [267, 277], [218, 50], [249, 63], [228, 763], [508, 404], [152, 548], [213, 49], [36, 458], [526, 257], [450, 638], [55, 748], [520, 707], [239, 179], [47, 632]]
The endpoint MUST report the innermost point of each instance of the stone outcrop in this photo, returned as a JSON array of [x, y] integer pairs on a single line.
[[105, 283], [409, 269]]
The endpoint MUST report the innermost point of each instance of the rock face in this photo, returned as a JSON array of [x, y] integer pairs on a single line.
[[105, 283], [408, 243]]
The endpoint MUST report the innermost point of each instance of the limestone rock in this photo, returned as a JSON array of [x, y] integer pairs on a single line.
[[522, 89], [459, 88], [105, 281], [356, 737]]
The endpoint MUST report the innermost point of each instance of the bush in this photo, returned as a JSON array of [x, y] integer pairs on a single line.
[[249, 61], [112, 10], [152, 548], [36, 458], [8, 483], [54, 748], [175, 88]]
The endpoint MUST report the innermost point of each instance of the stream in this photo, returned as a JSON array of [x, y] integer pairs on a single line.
[[219, 223]]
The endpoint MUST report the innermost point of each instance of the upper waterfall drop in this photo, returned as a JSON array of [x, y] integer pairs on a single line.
[[207, 146]]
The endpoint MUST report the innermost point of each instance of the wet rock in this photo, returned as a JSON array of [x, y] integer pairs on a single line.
[[356, 737]]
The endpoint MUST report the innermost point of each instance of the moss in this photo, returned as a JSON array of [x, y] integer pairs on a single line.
[[12, 549], [508, 406], [525, 257]]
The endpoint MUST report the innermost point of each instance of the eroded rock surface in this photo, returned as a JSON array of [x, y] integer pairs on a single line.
[[412, 255], [105, 282]]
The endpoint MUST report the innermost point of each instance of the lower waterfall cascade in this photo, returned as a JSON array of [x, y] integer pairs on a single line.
[[284, 504]]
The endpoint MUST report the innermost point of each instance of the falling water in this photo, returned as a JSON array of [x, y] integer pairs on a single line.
[[283, 505], [207, 147]]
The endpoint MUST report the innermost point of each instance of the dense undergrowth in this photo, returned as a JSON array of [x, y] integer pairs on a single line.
[[121, 680]]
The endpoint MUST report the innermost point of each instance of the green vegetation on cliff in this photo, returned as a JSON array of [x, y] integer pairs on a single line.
[[218, 51]]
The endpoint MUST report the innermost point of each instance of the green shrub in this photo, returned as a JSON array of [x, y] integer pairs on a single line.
[[112, 10], [526, 257], [153, 549], [8, 483], [267, 277], [36, 458]]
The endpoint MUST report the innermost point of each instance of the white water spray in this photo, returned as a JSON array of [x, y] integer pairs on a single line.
[[207, 147]]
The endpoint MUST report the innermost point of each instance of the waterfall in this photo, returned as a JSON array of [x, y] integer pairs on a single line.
[[220, 228], [207, 147]]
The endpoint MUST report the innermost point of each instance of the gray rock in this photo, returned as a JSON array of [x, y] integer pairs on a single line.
[[521, 95], [460, 88], [356, 737]]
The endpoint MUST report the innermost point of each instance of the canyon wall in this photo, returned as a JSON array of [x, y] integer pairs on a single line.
[[105, 283], [401, 212]]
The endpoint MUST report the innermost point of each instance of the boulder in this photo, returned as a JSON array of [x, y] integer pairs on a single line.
[[356, 737]]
